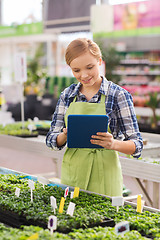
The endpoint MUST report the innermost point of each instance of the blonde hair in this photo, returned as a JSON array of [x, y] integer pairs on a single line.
[[80, 46]]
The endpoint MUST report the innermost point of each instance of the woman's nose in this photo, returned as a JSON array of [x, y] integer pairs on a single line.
[[84, 75]]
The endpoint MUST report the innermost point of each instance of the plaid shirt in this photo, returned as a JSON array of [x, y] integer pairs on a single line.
[[119, 107]]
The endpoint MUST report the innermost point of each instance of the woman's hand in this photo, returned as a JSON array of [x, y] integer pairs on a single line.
[[103, 139], [62, 138], [107, 141]]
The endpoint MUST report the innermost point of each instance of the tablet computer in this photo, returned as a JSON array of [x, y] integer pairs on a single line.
[[82, 127]]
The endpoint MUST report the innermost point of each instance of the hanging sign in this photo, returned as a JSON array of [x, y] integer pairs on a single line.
[[20, 67], [20, 70], [52, 223]]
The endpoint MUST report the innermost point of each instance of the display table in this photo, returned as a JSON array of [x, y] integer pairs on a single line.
[[33, 145], [143, 172], [137, 169]]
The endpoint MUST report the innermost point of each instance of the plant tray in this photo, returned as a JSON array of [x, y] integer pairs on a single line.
[[150, 236], [42, 131], [14, 220], [107, 222], [26, 136]]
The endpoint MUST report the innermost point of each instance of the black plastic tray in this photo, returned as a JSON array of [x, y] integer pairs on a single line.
[[14, 220], [42, 131], [26, 136]]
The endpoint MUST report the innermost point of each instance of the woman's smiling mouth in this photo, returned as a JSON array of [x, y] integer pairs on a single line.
[[87, 80]]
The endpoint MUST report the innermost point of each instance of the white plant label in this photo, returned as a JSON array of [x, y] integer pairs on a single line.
[[17, 192], [66, 192], [53, 203], [36, 119], [32, 187], [71, 195], [31, 184], [117, 201], [71, 208], [143, 202], [52, 223], [30, 127], [122, 227], [42, 180]]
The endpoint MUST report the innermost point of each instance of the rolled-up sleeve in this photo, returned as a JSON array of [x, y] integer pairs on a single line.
[[127, 121], [57, 125], [139, 146]]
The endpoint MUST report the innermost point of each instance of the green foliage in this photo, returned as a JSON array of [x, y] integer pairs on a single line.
[[17, 129], [112, 60], [153, 103], [154, 100], [104, 233], [55, 85], [92, 233], [35, 69], [90, 209], [27, 231]]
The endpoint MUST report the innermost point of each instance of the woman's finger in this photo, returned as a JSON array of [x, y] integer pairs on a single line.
[[65, 131]]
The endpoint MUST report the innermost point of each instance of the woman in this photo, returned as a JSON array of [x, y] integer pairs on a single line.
[[96, 170]]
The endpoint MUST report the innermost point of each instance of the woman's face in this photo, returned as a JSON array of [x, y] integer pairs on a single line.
[[85, 69]]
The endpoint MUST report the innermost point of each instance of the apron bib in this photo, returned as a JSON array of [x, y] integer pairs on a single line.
[[95, 170]]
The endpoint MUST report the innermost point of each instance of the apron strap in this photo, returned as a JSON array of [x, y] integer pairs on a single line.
[[103, 97], [74, 100]]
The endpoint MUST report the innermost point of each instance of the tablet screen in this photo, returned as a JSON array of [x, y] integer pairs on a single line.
[[82, 127]]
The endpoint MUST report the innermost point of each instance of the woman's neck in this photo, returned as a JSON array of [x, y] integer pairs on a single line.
[[90, 91]]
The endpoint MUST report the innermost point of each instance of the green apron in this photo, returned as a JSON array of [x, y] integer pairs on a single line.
[[95, 170]]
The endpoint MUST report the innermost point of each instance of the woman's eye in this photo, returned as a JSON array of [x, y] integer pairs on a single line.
[[76, 71], [90, 67]]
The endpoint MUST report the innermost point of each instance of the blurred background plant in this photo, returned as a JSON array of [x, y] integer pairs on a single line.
[[36, 73], [153, 103]]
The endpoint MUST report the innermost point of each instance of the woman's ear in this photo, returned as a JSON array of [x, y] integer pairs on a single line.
[[100, 61]]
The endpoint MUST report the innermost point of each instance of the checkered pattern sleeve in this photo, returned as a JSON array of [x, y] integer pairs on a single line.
[[57, 124], [127, 121]]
